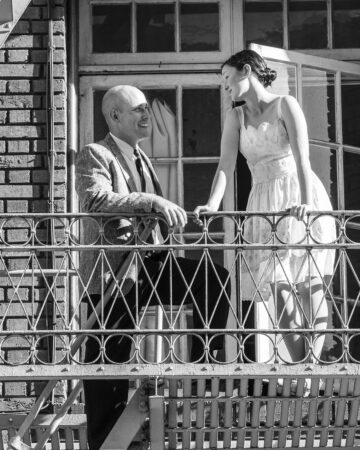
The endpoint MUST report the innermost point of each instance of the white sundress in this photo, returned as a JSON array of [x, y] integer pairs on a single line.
[[275, 187]]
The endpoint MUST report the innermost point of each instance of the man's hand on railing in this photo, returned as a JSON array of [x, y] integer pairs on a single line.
[[174, 214]]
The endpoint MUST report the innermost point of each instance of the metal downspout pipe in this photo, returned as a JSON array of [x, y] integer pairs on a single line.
[[50, 120], [72, 145]]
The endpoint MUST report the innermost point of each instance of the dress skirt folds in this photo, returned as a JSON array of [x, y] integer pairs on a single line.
[[275, 187]]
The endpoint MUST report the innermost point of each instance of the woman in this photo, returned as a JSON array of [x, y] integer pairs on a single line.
[[271, 132]]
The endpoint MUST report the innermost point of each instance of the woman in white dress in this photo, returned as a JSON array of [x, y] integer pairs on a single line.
[[271, 132]]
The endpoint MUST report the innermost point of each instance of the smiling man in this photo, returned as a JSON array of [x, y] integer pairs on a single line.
[[115, 176]]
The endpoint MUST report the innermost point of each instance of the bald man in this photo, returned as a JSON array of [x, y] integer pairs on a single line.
[[108, 179]]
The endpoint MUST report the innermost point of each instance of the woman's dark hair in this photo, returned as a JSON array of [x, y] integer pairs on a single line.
[[265, 75]]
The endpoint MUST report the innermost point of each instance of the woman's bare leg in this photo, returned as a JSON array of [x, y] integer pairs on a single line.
[[316, 310], [288, 317]]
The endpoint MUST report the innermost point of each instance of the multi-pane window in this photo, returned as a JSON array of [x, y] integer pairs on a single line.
[[184, 146], [303, 24], [180, 30]]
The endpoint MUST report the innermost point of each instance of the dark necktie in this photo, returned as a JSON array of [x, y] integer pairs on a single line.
[[140, 169]]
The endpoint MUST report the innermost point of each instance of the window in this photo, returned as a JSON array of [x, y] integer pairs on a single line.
[[318, 26], [185, 142], [118, 32]]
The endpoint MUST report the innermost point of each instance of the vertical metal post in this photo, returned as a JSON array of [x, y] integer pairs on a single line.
[[157, 420]]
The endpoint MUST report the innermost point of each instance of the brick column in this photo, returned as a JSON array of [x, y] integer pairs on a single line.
[[24, 173]]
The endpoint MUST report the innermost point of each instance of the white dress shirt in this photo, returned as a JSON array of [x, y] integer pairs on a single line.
[[128, 153]]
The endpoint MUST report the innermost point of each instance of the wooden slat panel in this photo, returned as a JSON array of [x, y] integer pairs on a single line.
[[270, 412], [228, 412], [55, 440], [326, 411], [200, 413], [82, 439], [214, 412], [172, 412], [340, 410], [353, 414], [186, 413], [69, 439]]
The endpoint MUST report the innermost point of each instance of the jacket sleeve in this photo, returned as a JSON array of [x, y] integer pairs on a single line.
[[94, 185]]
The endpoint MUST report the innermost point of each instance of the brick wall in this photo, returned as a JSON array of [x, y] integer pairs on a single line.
[[24, 164]]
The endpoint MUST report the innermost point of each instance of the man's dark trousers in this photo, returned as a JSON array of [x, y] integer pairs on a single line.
[[106, 399]]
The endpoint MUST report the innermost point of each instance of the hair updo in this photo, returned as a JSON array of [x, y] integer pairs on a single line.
[[265, 75]]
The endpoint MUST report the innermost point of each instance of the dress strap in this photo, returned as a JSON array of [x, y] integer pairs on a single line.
[[240, 113]]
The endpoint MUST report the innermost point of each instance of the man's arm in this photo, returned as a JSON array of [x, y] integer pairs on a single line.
[[94, 186]]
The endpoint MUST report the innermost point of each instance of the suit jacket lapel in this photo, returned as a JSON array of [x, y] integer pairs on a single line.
[[154, 177], [122, 162]]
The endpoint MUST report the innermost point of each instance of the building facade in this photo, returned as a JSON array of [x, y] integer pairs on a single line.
[[61, 56]]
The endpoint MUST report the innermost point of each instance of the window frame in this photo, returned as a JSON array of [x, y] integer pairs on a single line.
[[87, 57], [329, 52]]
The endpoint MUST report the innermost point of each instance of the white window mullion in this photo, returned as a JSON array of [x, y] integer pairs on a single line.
[[133, 28], [339, 139], [286, 23], [177, 27], [329, 24], [299, 84], [180, 169]]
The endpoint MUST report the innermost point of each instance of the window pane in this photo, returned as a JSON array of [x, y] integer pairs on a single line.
[[197, 184], [263, 23], [201, 122], [167, 175], [350, 100], [323, 163], [111, 28], [199, 27], [352, 180], [285, 83], [163, 140], [319, 103], [100, 127], [307, 24], [346, 20], [155, 28]]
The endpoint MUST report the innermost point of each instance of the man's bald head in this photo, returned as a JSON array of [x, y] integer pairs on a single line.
[[125, 110], [118, 97]]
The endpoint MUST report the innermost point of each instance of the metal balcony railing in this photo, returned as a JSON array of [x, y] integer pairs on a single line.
[[45, 287], [230, 398]]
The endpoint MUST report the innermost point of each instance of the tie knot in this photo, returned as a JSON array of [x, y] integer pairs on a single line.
[[136, 153]]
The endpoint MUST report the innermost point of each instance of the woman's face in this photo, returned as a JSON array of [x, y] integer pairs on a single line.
[[234, 81]]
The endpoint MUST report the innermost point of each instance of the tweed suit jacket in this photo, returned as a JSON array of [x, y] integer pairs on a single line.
[[104, 184]]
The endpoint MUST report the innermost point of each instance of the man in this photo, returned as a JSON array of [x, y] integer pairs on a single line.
[[115, 176]]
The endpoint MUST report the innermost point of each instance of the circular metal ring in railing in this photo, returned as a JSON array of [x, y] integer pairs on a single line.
[[252, 225], [233, 345], [316, 229], [42, 353], [111, 348], [19, 231], [118, 231], [92, 356], [249, 345], [51, 231], [78, 237], [180, 342], [16, 350]]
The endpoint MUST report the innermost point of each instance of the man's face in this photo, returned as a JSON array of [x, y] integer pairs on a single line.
[[134, 118]]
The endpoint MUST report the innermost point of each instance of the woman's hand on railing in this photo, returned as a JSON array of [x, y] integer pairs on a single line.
[[300, 211], [199, 210]]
